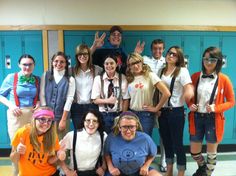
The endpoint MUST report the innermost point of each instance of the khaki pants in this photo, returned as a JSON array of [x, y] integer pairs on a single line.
[[14, 122]]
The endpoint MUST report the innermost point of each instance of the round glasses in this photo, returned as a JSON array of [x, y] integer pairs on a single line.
[[44, 120], [93, 121]]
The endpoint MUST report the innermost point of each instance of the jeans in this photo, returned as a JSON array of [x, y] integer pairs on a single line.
[[171, 129], [147, 120], [108, 119], [78, 110], [205, 126]]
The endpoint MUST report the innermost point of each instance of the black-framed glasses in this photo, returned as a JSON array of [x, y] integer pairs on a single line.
[[59, 62], [44, 120], [83, 54], [93, 121], [27, 64], [210, 60], [172, 54], [128, 127], [133, 63]]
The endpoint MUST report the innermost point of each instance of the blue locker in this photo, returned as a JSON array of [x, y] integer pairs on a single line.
[[71, 40], [15, 44], [193, 44]]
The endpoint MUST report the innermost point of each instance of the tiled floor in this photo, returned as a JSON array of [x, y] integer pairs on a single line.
[[226, 166]]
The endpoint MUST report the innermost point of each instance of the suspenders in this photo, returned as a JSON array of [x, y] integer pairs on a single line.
[[212, 93], [17, 102], [99, 160], [171, 86]]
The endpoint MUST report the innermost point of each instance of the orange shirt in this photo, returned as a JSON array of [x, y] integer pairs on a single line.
[[224, 101], [32, 162]]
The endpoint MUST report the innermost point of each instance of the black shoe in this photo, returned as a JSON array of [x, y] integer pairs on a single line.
[[201, 171]]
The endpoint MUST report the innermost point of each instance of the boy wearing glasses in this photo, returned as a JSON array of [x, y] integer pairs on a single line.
[[101, 49]]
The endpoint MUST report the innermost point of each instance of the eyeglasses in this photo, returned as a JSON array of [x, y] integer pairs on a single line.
[[128, 127], [59, 62], [83, 54], [115, 35], [210, 60], [27, 65], [172, 54], [93, 121], [44, 120], [134, 63]]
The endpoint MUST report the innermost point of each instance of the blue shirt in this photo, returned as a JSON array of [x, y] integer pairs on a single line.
[[129, 156], [25, 91]]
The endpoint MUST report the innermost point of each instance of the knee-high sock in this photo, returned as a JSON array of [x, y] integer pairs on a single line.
[[211, 163], [198, 158]]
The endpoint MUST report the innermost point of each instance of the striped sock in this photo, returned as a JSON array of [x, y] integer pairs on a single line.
[[211, 163], [198, 158]]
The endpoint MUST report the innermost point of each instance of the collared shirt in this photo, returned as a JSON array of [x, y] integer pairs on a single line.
[[155, 64], [181, 80], [84, 84], [87, 148], [25, 91], [97, 92], [58, 75], [204, 90]]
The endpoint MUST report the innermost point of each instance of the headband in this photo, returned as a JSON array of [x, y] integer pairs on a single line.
[[128, 113], [43, 112]]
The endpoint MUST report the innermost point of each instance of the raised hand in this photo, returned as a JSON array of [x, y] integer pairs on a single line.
[[99, 41], [139, 47], [21, 148]]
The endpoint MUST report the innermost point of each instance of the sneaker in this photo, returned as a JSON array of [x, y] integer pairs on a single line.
[[162, 168], [201, 171]]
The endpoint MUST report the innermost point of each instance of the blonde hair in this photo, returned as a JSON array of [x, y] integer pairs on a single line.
[[49, 137], [145, 71], [129, 116]]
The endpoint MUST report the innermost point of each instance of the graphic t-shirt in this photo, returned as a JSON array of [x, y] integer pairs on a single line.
[[129, 156], [32, 162]]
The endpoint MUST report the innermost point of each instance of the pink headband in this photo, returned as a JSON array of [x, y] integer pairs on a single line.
[[43, 112]]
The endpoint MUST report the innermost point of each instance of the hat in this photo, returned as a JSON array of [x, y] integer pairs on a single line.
[[116, 28]]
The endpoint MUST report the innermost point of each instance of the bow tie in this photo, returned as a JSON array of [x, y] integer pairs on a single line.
[[208, 76], [30, 79]]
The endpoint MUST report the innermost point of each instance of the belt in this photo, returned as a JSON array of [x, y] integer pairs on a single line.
[[112, 113], [171, 108], [205, 114]]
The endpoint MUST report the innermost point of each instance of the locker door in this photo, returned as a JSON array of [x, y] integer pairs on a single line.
[[211, 39], [172, 39], [71, 40], [228, 49], [32, 44], [129, 40], [192, 49], [11, 45]]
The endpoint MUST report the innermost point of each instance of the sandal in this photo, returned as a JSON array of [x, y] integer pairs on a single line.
[[162, 168]]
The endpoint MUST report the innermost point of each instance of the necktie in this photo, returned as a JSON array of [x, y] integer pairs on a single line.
[[208, 76], [30, 79], [110, 91]]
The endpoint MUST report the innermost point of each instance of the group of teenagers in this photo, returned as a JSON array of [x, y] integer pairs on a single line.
[[114, 106]]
